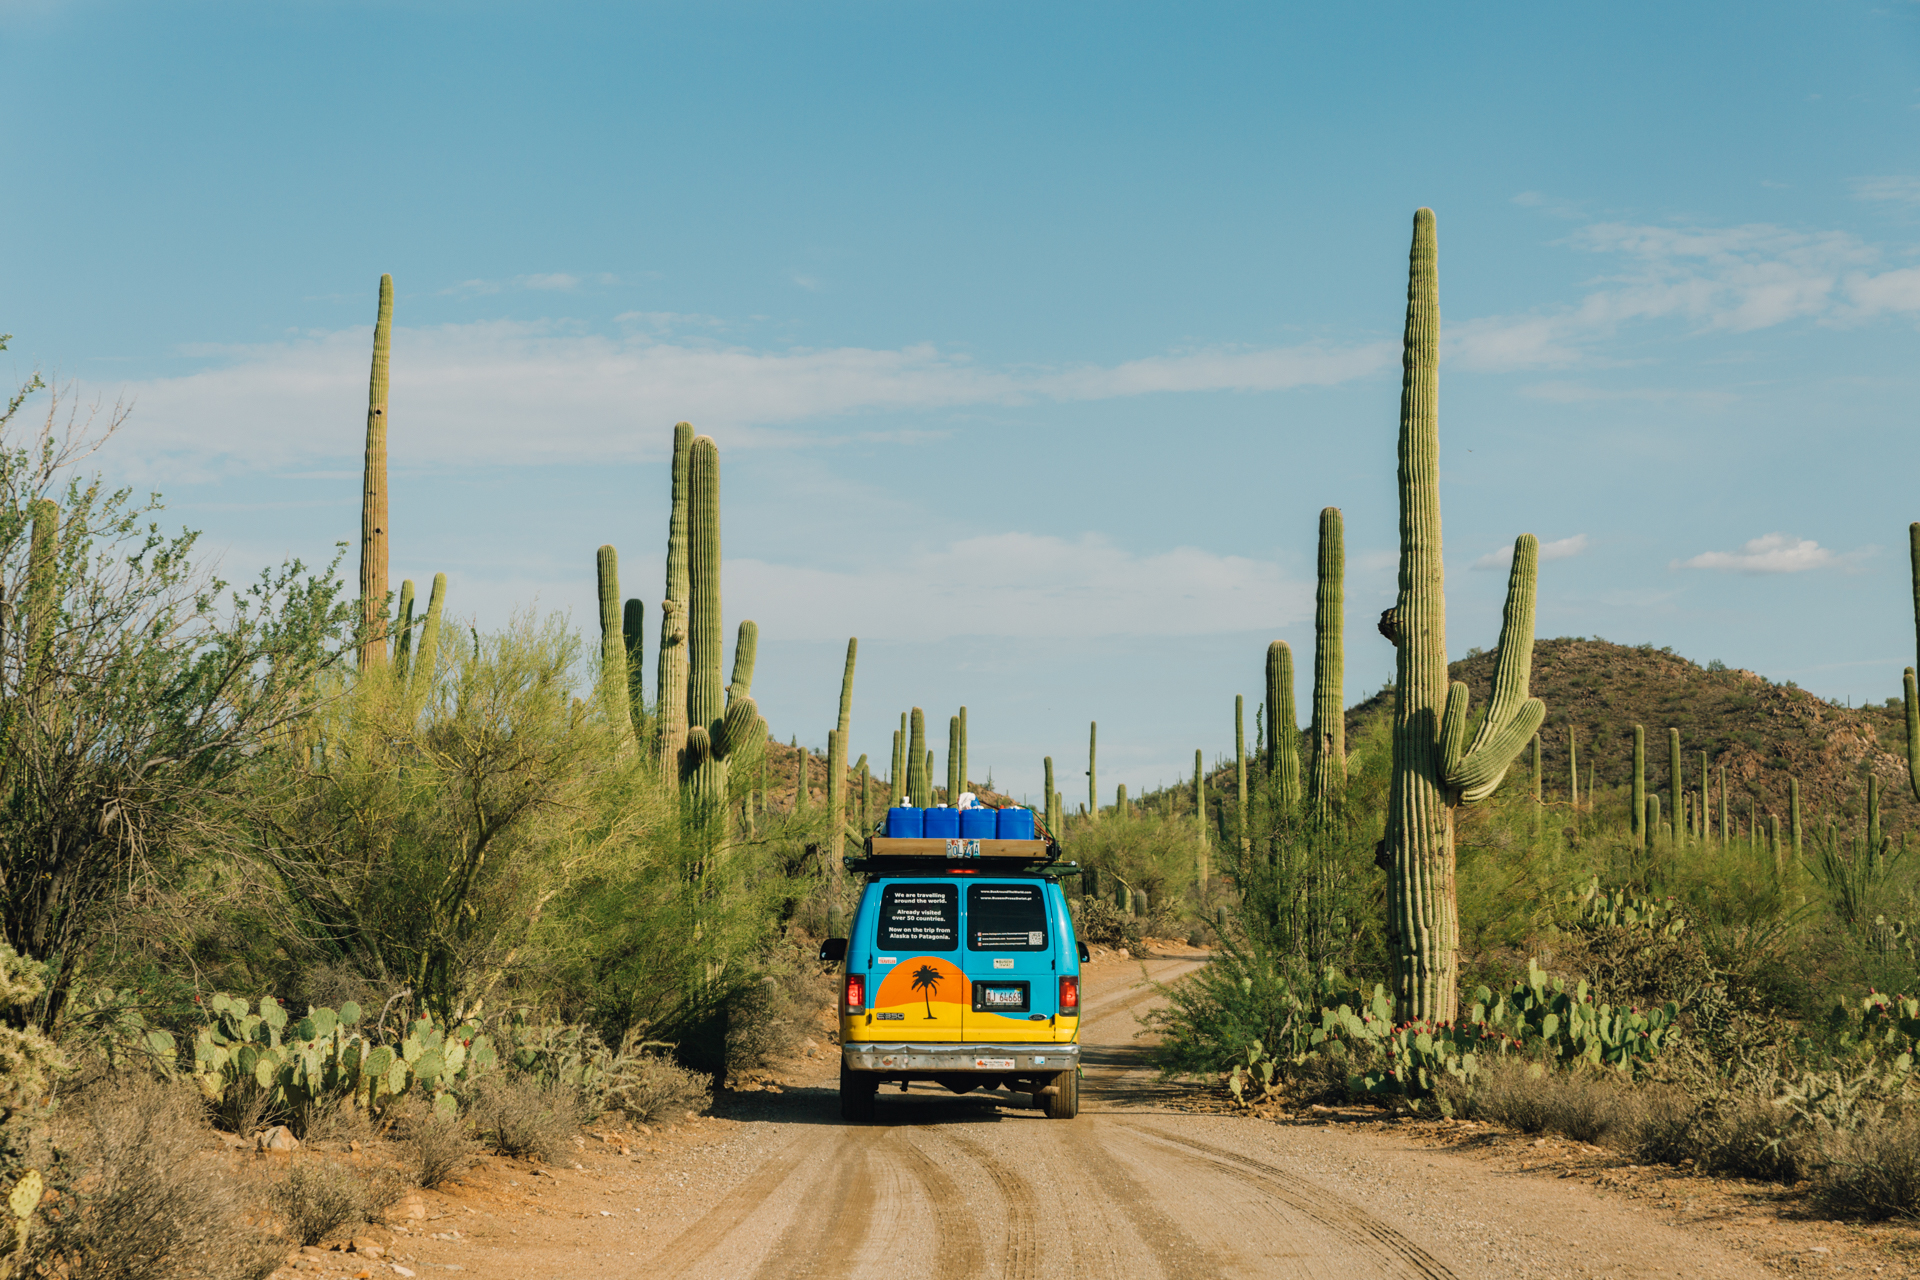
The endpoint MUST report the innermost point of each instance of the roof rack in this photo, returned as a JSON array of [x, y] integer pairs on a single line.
[[883, 853]]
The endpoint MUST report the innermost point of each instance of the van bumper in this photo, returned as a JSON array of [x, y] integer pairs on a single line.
[[986, 1059]]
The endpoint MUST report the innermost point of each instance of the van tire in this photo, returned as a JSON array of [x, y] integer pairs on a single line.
[[856, 1094], [1064, 1102]]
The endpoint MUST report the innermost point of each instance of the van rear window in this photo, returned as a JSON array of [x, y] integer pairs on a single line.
[[1006, 917], [920, 917]]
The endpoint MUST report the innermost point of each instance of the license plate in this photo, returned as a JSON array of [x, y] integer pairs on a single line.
[[1003, 997], [994, 1064]]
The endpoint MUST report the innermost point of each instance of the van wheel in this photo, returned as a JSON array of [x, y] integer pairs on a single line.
[[1064, 1102], [856, 1095]]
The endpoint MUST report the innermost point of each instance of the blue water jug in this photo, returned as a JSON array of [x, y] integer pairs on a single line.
[[942, 823], [905, 822], [978, 824], [1014, 824]]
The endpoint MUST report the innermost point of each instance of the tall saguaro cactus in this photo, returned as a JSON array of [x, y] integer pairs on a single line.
[[1435, 769], [1676, 787], [670, 679], [919, 776], [897, 780], [614, 691], [403, 647], [720, 719], [836, 774], [1200, 813], [1638, 818], [1052, 818], [1283, 726], [1093, 771], [373, 492], [1240, 769], [1327, 767]]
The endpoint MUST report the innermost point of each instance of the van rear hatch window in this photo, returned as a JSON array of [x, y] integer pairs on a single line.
[[1006, 917], [920, 917]]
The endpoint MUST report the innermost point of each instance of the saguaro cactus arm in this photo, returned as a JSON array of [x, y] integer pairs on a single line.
[[1513, 716]]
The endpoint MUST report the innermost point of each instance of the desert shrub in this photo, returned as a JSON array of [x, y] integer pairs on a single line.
[[1101, 924], [651, 1086], [317, 1197], [1744, 1135], [333, 1121], [1534, 1098], [141, 1199], [1873, 1172], [245, 1108], [770, 1017], [521, 1117], [433, 1147]]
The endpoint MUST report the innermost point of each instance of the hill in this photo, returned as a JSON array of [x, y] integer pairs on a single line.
[[1763, 733]]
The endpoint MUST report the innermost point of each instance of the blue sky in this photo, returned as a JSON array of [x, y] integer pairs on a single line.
[[1034, 337]]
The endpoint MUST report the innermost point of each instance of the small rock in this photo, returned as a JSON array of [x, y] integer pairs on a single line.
[[400, 1270], [371, 1248], [354, 1145], [278, 1138], [605, 1213]]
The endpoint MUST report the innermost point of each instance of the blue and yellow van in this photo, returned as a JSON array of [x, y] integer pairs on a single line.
[[961, 967]]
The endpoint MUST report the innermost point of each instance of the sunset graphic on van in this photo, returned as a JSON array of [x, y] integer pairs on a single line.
[[926, 979]]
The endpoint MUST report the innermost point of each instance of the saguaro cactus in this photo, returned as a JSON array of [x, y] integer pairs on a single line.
[[1573, 769], [1435, 769], [1093, 771], [1676, 817], [720, 719], [614, 692], [1638, 818], [1047, 767], [919, 774], [1706, 823], [1327, 768], [897, 780], [954, 784], [1240, 769], [836, 771], [633, 618], [1283, 726], [1913, 690], [403, 647], [373, 491], [670, 679], [420, 677], [1793, 810]]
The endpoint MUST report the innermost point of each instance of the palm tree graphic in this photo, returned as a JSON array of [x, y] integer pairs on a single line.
[[926, 979]]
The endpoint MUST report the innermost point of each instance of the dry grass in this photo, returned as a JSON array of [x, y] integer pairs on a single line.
[[521, 1118], [1874, 1173], [1528, 1097], [141, 1196], [317, 1197], [432, 1149]]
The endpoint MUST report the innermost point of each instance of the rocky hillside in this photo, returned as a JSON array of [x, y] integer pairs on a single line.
[[1763, 733]]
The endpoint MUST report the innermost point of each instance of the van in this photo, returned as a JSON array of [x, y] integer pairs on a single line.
[[960, 967]]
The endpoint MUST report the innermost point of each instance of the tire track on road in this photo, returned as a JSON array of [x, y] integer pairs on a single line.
[[1179, 1255], [719, 1222], [1340, 1216], [1019, 1259], [823, 1242], [957, 1253]]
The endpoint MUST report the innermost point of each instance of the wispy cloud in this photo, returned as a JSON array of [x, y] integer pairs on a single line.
[[537, 282], [1773, 553], [1039, 586], [1724, 279], [1894, 189], [504, 392], [1559, 549]]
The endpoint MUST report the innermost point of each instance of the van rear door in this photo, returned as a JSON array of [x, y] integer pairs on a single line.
[[1009, 962], [919, 990]]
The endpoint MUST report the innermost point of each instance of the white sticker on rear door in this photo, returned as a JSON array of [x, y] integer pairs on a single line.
[[1003, 962]]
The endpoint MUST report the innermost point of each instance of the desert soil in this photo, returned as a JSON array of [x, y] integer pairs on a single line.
[[1145, 1183]]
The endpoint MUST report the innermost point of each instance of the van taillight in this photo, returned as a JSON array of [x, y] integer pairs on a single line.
[[1070, 996], [856, 992]]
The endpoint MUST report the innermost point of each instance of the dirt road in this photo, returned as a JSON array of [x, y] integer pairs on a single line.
[[946, 1188]]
